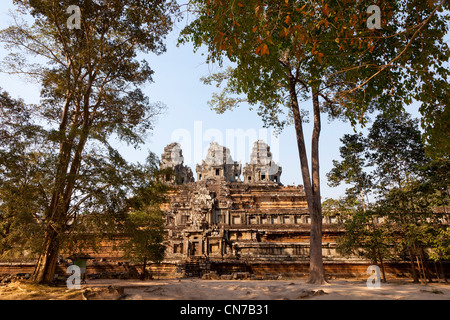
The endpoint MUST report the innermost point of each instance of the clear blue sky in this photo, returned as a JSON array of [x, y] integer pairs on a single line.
[[177, 84]]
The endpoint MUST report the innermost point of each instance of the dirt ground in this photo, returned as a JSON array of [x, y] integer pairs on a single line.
[[196, 289]]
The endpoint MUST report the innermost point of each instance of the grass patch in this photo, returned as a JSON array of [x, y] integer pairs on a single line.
[[26, 290]]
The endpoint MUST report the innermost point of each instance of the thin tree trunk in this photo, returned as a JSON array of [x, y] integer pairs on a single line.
[[312, 188], [437, 272], [421, 272], [443, 271], [420, 265], [377, 250], [425, 265], [316, 269], [413, 267], [363, 203], [382, 266]]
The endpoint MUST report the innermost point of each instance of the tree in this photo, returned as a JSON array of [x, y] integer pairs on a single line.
[[351, 169], [24, 173], [144, 222], [284, 52], [407, 188], [146, 236], [436, 177], [364, 236], [410, 217], [397, 151], [90, 94]]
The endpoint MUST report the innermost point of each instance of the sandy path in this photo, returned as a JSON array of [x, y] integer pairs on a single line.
[[195, 289]]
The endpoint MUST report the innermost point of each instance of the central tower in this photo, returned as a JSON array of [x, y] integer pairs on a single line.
[[218, 165], [261, 167]]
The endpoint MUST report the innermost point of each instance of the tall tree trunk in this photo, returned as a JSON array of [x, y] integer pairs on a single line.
[[45, 268], [59, 205], [311, 186], [316, 268]]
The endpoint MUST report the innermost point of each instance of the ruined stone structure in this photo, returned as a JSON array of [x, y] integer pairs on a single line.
[[221, 219], [218, 165], [229, 227], [173, 158], [261, 167]]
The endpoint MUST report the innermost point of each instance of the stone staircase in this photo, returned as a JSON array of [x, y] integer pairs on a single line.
[[196, 267], [192, 269]]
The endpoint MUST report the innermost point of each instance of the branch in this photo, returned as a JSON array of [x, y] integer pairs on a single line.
[[391, 63], [79, 203]]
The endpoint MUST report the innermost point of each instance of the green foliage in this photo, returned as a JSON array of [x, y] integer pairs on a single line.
[[419, 223], [91, 95], [396, 149], [144, 220], [146, 236], [365, 237], [326, 46], [409, 190], [439, 242], [25, 176], [351, 169], [392, 154], [101, 200], [92, 72]]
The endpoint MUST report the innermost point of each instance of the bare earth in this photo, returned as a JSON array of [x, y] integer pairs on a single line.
[[196, 289]]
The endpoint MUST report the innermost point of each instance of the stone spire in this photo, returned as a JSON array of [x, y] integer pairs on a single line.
[[173, 158], [218, 164], [261, 167]]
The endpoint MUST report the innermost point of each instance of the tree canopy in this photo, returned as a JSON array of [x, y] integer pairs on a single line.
[[284, 53], [406, 214], [91, 95], [327, 45]]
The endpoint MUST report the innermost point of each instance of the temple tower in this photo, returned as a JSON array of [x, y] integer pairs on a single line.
[[261, 167], [218, 165], [173, 158]]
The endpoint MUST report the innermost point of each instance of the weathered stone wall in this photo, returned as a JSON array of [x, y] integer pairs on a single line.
[[219, 220]]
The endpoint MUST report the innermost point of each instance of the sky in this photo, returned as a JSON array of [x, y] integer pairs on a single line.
[[189, 120]]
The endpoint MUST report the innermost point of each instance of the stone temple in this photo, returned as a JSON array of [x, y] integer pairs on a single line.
[[223, 221], [261, 167], [218, 164], [230, 223]]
